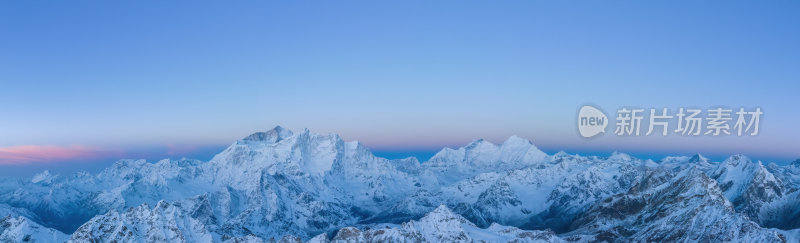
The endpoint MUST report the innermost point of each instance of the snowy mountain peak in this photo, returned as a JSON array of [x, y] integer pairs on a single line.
[[480, 155], [21, 229], [736, 159], [164, 223], [299, 185], [442, 215], [689, 197], [515, 140], [796, 163], [281, 150], [737, 168], [123, 166], [621, 157], [273, 136], [479, 144], [561, 154], [748, 185], [440, 225], [43, 177], [698, 158]]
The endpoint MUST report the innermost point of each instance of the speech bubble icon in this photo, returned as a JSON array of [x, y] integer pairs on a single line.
[[591, 121]]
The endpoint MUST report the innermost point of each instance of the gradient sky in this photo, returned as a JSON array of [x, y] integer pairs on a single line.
[[83, 83]]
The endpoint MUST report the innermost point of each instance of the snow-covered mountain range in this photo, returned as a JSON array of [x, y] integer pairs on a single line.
[[284, 186]]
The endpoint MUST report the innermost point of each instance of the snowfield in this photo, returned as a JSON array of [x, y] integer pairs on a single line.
[[289, 186]]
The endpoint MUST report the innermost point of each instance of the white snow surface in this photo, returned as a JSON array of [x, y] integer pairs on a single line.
[[284, 185]]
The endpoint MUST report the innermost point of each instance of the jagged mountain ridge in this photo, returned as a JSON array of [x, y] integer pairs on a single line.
[[278, 183], [690, 202]]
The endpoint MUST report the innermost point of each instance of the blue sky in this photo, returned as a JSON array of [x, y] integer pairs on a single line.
[[94, 80]]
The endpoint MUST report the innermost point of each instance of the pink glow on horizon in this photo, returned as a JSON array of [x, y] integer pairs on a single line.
[[27, 154]]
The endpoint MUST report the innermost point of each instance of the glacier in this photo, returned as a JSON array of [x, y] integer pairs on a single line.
[[285, 186]]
